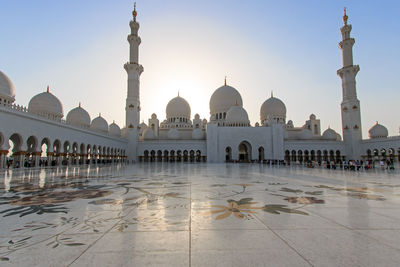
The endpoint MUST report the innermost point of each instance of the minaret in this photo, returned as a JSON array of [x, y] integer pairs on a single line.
[[351, 118], [134, 70]]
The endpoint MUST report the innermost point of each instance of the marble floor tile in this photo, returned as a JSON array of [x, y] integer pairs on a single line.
[[187, 214], [332, 247], [242, 248]]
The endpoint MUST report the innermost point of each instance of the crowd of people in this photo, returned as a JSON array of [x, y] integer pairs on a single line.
[[354, 165]]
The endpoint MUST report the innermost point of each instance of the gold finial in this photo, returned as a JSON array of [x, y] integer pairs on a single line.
[[79, 104], [99, 114], [225, 81], [48, 89], [134, 13], [272, 94], [345, 17], [178, 93]]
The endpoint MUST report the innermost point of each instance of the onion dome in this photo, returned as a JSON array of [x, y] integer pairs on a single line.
[[378, 131], [305, 134], [197, 134], [330, 134], [78, 117], [99, 124], [114, 130], [273, 108], [7, 90], [178, 107], [237, 116], [313, 117], [197, 116], [47, 105], [153, 116], [224, 98], [148, 134], [173, 134]]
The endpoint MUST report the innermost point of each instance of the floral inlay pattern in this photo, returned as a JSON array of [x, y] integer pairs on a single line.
[[240, 209]]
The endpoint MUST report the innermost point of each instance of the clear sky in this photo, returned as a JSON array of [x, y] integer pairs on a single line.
[[291, 47]]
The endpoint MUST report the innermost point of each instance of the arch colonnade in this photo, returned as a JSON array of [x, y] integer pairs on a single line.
[[33, 151], [170, 155]]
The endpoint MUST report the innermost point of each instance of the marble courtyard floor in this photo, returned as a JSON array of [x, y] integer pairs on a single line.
[[199, 215]]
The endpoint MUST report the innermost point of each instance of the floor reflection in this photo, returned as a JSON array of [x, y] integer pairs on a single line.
[[43, 209]]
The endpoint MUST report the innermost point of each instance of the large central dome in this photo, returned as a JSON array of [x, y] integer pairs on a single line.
[[178, 107], [224, 98]]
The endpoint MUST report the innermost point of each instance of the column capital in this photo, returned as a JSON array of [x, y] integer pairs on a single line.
[[19, 153]]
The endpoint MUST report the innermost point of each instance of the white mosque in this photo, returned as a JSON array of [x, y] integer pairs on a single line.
[[39, 133]]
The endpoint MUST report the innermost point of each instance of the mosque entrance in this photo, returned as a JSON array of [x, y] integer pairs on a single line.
[[244, 152]]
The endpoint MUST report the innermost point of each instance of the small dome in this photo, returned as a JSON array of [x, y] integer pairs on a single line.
[[143, 126], [173, 134], [330, 134], [7, 90], [153, 116], [197, 116], [78, 117], [313, 117], [123, 132], [178, 107], [99, 124], [224, 98], [47, 105], [204, 121], [197, 134], [148, 134], [114, 130], [378, 131], [257, 124], [237, 115], [305, 134], [290, 124], [272, 107]]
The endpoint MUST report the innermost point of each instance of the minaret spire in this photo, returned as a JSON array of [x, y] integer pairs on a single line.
[[351, 116], [345, 17], [134, 12], [134, 70]]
